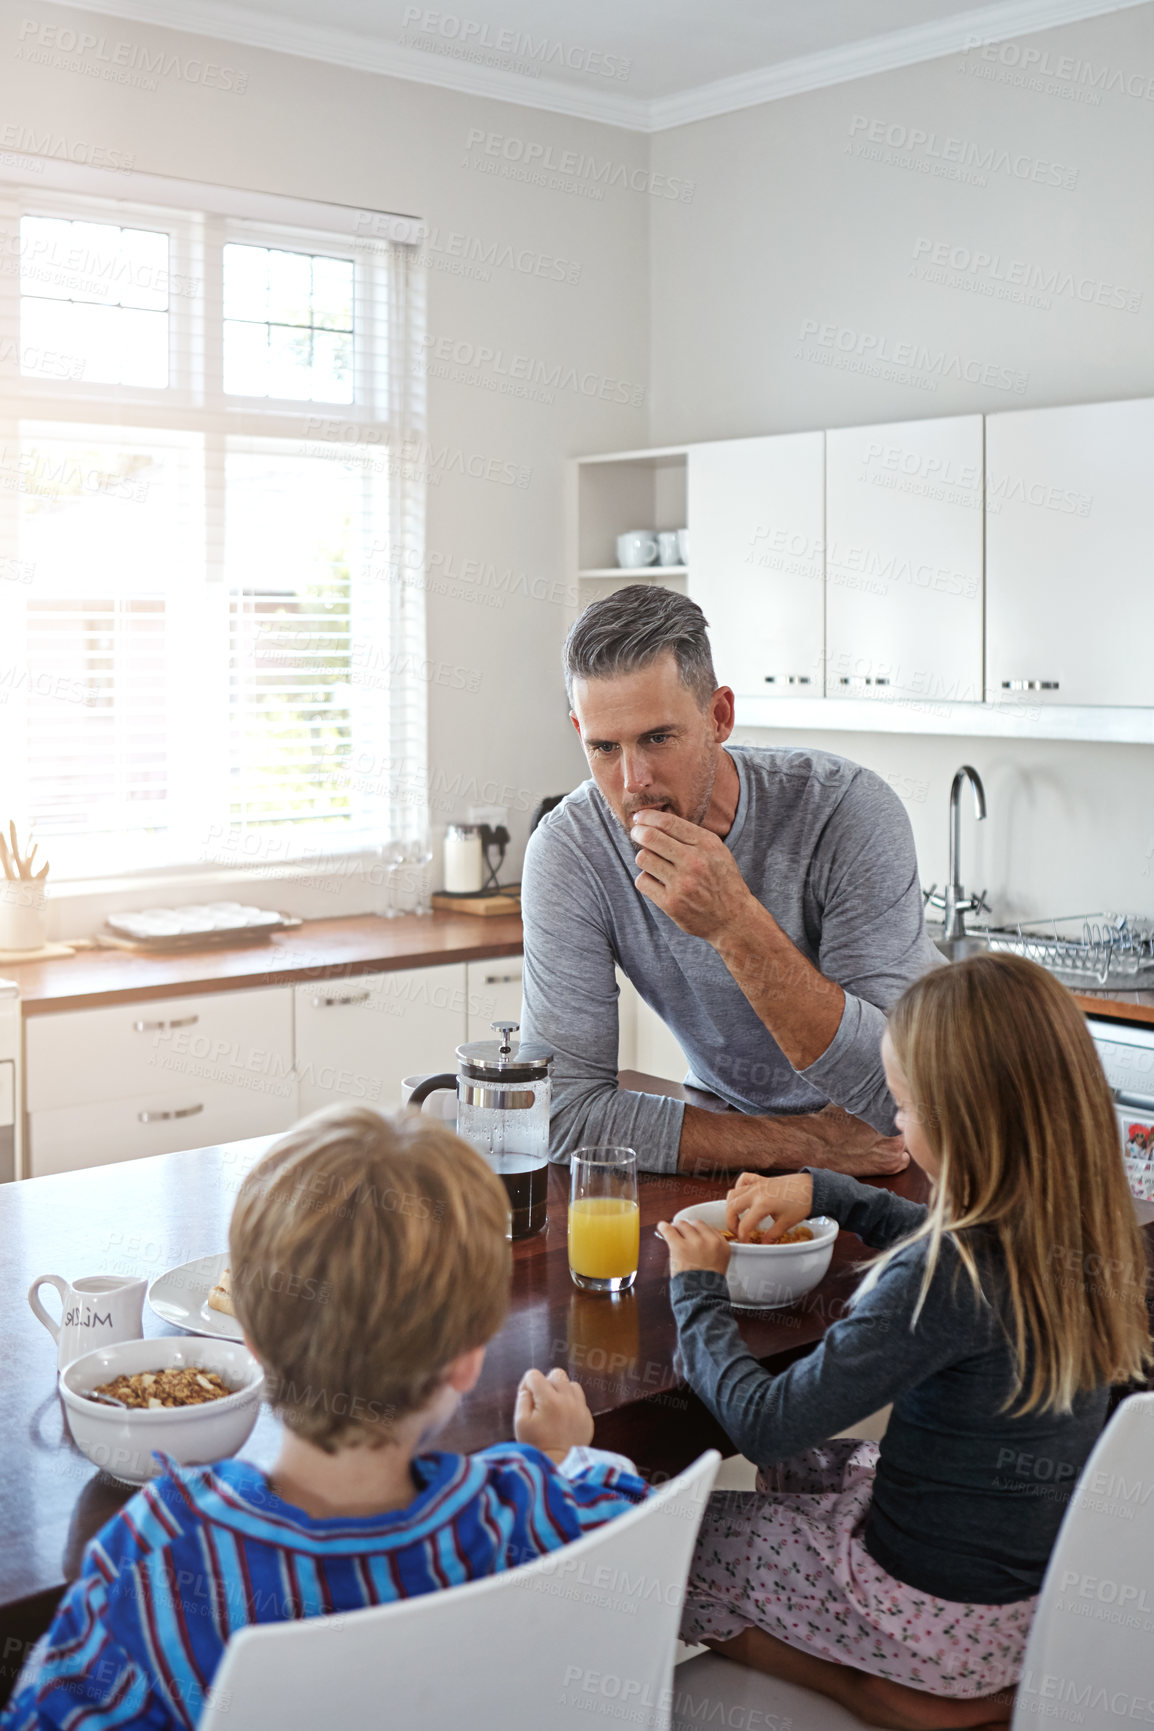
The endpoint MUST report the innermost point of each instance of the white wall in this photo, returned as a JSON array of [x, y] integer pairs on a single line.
[[314, 130], [791, 229]]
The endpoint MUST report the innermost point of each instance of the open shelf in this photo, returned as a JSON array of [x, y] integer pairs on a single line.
[[636, 573]]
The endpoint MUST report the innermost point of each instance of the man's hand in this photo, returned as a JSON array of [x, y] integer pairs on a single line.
[[694, 1245], [690, 874], [843, 1143], [552, 1413], [789, 1200], [718, 1142]]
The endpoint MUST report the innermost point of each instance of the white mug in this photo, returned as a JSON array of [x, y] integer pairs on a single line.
[[441, 1105], [668, 550], [100, 1310], [637, 547]]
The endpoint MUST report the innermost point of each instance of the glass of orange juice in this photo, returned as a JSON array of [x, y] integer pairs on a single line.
[[604, 1219]]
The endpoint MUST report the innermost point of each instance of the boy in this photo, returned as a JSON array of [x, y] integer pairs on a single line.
[[369, 1269]]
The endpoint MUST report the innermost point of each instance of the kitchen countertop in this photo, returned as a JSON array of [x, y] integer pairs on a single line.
[[1116, 1004], [332, 949], [314, 950]]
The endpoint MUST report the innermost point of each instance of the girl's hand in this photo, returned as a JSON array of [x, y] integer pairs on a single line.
[[692, 1245], [788, 1199], [552, 1413]]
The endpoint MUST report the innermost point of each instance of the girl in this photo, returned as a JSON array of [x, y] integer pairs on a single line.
[[995, 1319]]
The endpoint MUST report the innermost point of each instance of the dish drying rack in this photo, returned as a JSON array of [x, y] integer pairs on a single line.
[[1105, 949]]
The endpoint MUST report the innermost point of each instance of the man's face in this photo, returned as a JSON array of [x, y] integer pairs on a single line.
[[649, 744]]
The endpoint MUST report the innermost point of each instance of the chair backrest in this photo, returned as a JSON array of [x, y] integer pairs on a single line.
[[590, 1628], [1088, 1659]]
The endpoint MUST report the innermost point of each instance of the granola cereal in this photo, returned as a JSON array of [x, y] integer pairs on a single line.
[[795, 1235], [180, 1385]]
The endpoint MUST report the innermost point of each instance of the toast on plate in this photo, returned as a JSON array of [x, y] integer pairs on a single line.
[[220, 1298]]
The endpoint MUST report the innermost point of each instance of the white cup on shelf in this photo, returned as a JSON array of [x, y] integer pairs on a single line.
[[636, 549], [668, 548]]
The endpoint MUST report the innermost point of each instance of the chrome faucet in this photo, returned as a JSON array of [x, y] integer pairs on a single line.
[[955, 902]]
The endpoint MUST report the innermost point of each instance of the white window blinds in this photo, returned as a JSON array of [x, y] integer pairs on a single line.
[[204, 511]]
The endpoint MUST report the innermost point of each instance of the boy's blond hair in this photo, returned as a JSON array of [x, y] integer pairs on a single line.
[[366, 1255]]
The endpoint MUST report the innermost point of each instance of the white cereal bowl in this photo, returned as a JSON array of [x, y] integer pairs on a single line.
[[770, 1276], [120, 1441]]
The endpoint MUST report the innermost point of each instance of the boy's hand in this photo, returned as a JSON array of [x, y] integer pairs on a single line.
[[754, 1196], [692, 1245], [552, 1413]]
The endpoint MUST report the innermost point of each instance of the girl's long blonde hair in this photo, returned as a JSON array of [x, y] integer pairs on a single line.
[[1014, 1105]]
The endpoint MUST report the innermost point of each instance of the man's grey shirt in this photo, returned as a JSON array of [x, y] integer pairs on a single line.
[[822, 843]]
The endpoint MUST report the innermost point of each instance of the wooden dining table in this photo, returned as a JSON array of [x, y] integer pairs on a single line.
[[143, 1217]]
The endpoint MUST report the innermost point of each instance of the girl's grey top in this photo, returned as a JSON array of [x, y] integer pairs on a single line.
[[822, 843], [967, 1500]]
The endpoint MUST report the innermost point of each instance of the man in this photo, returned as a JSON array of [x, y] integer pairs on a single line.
[[765, 903]]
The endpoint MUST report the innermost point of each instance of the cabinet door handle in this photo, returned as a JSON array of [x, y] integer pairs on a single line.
[[1030, 685], [330, 1003], [502, 979], [160, 1117], [173, 1022]]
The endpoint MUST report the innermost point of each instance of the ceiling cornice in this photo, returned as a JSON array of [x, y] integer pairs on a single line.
[[221, 20], [886, 53]]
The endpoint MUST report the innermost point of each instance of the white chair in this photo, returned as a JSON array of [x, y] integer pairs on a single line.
[[584, 1631], [1088, 1658]]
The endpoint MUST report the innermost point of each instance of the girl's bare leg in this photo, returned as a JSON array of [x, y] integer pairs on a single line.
[[873, 1699]]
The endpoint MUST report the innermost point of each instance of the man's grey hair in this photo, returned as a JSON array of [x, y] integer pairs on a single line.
[[630, 629]]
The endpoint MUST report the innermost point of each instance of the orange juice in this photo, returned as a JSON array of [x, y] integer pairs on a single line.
[[604, 1237]]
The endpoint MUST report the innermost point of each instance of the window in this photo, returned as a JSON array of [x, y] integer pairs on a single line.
[[99, 293], [210, 655], [288, 325]]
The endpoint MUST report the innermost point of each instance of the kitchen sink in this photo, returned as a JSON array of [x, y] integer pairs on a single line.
[[957, 949]]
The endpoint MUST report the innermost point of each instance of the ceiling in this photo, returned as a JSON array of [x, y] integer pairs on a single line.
[[644, 64]]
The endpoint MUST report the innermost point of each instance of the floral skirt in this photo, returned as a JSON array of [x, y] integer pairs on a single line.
[[788, 1558]]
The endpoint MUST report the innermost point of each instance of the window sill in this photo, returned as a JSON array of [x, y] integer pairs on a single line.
[[311, 889]]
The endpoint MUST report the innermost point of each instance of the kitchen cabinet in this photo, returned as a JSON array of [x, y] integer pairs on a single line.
[[644, 1042], [357, 1039], [493, 994], [69, 1138], [903, 566], [135, 1079], [755, 560], [1069, 551]]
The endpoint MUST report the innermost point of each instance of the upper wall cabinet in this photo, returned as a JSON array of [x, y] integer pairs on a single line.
[[904, 561], [1070, 554], [755, 560]]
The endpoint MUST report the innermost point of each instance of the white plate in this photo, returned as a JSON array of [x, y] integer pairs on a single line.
[[180, 1296]]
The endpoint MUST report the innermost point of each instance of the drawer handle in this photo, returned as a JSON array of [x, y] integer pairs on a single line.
[[1030, 685], [790, 679], [328, 1003], [502, 979], [162, 1117], [155, 1027], [865, 682]]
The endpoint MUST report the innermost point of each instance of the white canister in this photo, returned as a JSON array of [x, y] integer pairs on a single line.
[[23, 914], [464, 868]]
